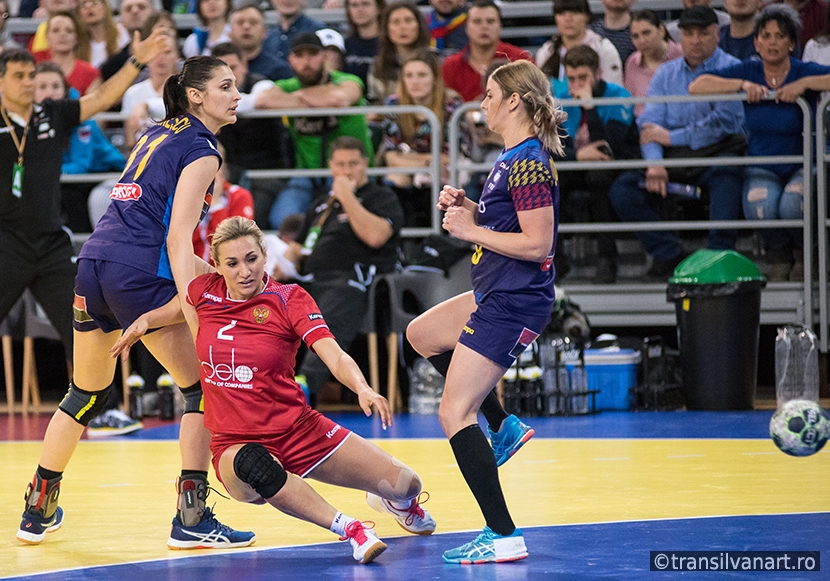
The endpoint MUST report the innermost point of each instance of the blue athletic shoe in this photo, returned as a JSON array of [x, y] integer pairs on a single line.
[[513, 435], [208, 534], [489, 547], [34, 527]]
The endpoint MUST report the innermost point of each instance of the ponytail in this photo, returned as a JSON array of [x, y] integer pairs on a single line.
[[531, 84], [196, 73]]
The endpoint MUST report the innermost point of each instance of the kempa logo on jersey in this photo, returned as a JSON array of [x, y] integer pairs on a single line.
[[333, 431], [211, 297], [228, 375], [124, 192]]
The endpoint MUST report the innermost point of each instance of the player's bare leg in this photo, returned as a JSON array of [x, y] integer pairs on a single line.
[[250, 473], [87, 397], [391, 486]]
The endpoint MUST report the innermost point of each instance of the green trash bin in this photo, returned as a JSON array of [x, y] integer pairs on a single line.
[[717, 296]]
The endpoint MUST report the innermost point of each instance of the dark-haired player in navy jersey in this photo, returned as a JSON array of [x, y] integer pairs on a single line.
[[139, 258], [514, 228]]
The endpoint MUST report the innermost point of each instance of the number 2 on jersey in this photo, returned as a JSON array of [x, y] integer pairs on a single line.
[[148, 151]]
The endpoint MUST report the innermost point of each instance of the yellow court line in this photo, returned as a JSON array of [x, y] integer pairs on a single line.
[[119, 497]]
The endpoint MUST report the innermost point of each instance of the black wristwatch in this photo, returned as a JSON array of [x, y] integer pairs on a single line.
[[139, 66]]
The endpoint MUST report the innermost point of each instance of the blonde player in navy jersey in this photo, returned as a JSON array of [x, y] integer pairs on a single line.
[[514, 228], [139, 257]]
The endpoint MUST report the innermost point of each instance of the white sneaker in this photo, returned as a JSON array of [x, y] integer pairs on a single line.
[[366, 544], [413, 519]]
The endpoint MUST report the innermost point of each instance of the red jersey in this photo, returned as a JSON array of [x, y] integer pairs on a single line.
[[465, 80], [233, 201], [247, 351]]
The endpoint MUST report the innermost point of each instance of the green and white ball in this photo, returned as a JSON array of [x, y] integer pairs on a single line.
[[799, 428]]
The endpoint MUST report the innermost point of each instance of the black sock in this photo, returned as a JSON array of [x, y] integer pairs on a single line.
[[478, 466], [194, 474], [492, 409], [47, 474], [441, 362]]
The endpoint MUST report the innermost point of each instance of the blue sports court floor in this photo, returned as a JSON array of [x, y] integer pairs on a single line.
[[595, 496]]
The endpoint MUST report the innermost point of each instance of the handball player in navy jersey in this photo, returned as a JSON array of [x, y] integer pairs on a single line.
[[479, 334], [141, 257]]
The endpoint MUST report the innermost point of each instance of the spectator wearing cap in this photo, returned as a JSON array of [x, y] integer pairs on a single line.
[[463, 72], [292, 21], [248, 33], [678, 130], [334, 48], [312, 87], [673, 27]]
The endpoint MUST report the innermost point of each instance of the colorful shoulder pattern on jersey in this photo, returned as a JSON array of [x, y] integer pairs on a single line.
[[530, 182]]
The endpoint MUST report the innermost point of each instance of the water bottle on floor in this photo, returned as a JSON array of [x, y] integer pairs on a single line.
[[165, 398], [796, 364], [136, 384]]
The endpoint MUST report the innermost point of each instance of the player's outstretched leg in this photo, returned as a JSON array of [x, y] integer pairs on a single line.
[[42, 514], [195, 526], [410, 514], [514, 434]]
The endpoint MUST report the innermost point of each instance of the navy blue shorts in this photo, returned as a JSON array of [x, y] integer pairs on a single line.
[[111, 296], [503, 326]]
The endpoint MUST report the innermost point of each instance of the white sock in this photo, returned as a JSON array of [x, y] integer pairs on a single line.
[[339, 524]]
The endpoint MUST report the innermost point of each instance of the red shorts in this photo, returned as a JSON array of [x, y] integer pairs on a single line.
[[312, 439]]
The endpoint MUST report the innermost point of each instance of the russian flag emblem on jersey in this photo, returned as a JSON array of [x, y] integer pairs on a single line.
[[124, 192], [525, 339]]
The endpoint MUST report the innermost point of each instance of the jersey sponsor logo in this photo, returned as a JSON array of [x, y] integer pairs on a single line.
[[125, 192], [546, 265], [314, 316], [526, 337], [260, 314], [211, 297], [468, 330], [477, 254], [333, 431], [228, 375]]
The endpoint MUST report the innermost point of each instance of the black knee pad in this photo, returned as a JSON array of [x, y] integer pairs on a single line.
[[255, 466], [82, 405], [193, 399]]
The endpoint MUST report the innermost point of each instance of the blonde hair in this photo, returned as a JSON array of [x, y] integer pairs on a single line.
[[533, 87], [234, 228]]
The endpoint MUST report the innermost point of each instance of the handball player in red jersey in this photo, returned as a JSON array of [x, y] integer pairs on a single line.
[[265, 437]]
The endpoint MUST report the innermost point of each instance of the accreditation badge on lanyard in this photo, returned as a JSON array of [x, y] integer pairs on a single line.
[[20, 144], [17, 179]]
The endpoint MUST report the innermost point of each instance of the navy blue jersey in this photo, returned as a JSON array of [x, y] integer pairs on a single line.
[[523, 178], [134, 228]]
